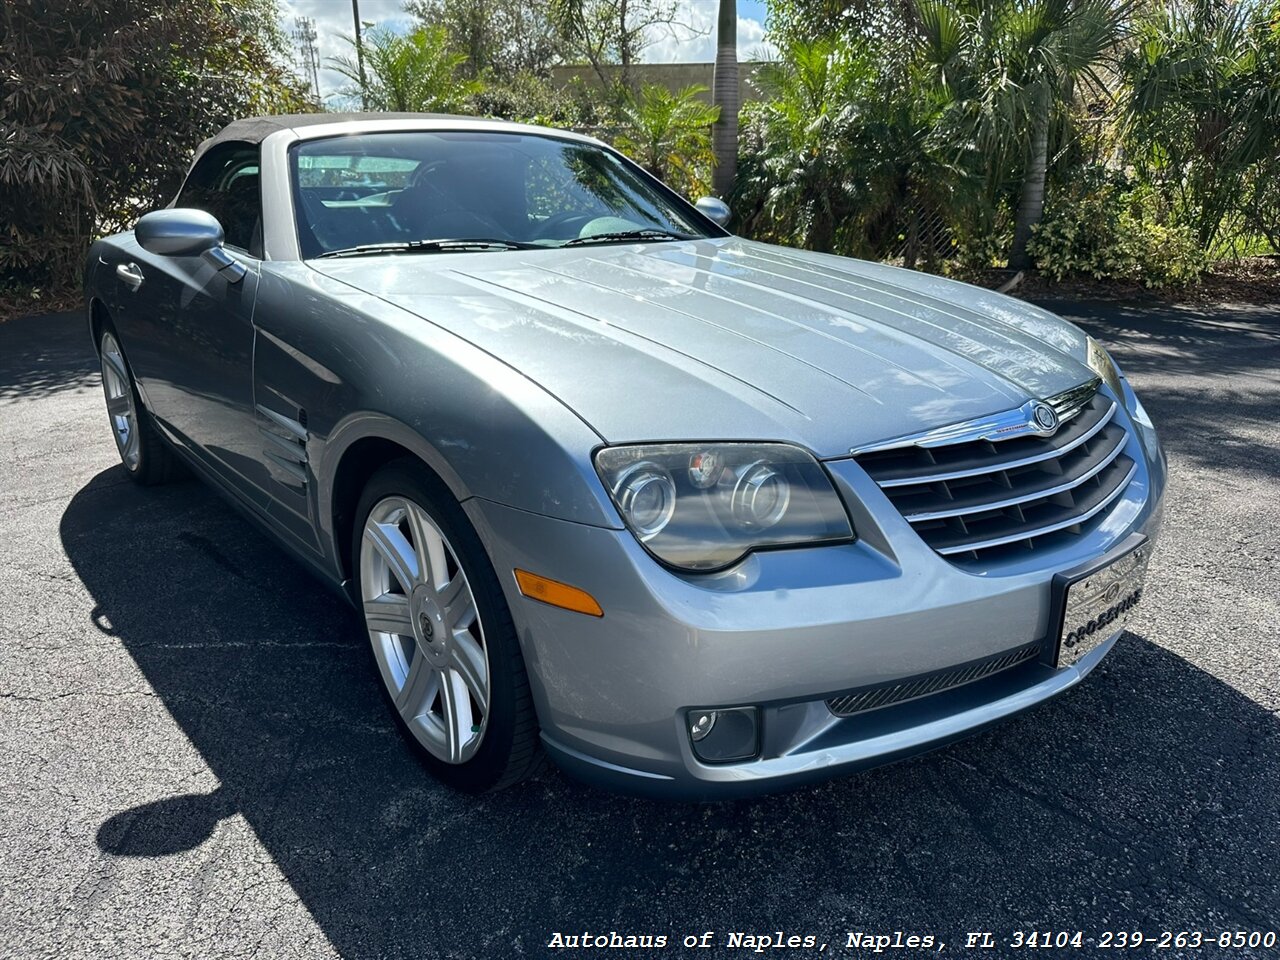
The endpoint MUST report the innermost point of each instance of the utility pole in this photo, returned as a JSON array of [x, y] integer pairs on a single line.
[[355, 15], [304, 35]]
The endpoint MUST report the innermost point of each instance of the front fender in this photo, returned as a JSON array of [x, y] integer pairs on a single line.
[[355, 367], [99, 280]]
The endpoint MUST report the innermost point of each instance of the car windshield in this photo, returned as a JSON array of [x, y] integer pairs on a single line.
[[400, 191]]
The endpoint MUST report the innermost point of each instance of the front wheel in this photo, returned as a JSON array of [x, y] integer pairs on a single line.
[[442, 636], [146, 457]]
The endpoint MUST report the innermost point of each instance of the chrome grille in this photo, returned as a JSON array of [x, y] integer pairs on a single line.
[[885, 696], [976, 499]]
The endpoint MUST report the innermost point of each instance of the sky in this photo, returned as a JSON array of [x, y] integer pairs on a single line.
[[677, 45]]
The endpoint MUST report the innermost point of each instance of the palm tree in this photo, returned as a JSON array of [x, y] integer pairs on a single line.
[[725, 95], [807, 177], [411, 72], [1203, 109], [1016, 63], [1063, 44], [666, 133]]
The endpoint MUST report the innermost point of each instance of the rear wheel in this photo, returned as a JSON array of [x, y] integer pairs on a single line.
[[441, 633], [146, 457]]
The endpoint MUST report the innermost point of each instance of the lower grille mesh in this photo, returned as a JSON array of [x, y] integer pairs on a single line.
[[876, 697]]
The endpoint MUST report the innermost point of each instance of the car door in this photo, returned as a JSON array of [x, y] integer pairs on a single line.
[[192, 326]]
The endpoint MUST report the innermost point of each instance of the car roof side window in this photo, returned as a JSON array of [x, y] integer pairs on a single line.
[[225, 183]]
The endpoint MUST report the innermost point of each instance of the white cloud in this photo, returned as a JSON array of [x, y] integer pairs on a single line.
[[694, 40], [334, 21]]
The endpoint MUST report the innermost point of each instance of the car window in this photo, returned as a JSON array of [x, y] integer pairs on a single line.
[[527, 189], [550, 189], [225, 183]]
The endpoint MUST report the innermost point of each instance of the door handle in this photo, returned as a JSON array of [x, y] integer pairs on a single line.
[[130, 274]]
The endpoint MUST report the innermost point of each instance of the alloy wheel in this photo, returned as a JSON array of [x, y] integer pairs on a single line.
[[425, 629], [120, 405]]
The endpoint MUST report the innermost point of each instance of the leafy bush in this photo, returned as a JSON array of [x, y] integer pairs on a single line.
[[102, 106], [527, 98], [1104, 228], [981, 250]]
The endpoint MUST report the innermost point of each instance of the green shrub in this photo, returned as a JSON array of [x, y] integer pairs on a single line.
[[1163, 254], [102, 106], [980, 251], [1102, 227], [526, 98]]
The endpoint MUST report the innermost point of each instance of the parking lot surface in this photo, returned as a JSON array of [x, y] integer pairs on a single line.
[[195, 759]]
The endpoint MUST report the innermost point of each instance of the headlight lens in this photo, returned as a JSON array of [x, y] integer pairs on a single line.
[[704, 506], [1100, 362], [646, 495]]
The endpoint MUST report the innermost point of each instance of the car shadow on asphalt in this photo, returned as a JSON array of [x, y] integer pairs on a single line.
[[1148, 794]]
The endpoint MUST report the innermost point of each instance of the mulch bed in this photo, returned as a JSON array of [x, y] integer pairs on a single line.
[[22, 303], [1253, 280]]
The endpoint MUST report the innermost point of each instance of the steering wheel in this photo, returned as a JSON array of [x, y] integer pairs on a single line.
[[560, 219]]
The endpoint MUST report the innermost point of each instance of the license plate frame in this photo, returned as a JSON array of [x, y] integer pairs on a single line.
[[1092, 602]]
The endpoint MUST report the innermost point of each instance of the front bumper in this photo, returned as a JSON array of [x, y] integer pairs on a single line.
[[783, 630]]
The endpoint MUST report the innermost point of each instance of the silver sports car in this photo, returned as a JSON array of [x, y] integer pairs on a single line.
[[693, 515]]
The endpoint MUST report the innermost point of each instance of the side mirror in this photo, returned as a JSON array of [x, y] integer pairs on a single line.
[[178, 233], [715, 210], [183, 232]]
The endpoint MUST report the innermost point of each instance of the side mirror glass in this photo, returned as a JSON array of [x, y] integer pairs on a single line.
[[179, 232], [715, 210]]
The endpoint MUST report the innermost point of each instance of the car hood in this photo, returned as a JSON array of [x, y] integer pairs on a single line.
[[732, 339]]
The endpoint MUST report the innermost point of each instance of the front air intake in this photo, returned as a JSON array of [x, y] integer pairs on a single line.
[[888, 695]]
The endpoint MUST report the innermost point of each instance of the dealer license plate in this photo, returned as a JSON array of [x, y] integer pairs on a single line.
[[1099, 603]]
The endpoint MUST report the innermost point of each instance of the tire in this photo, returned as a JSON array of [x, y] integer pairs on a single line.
[[144, 454], [443, 661]]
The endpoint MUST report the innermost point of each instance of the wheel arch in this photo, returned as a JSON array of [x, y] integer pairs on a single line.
[[99, 320], [358, 450]]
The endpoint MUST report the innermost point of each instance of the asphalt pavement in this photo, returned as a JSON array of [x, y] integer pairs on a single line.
[[195, 760]]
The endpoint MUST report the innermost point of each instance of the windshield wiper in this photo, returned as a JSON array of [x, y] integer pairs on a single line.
[[455, 245], [622, 236]]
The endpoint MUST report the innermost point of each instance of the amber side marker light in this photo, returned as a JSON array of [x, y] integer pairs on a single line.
[[557, 594]]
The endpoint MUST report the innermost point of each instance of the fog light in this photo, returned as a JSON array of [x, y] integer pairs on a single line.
[[719, 736], [700, 724]]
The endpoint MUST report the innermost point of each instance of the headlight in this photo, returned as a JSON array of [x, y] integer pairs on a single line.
[[704, 506], [1100, 362]]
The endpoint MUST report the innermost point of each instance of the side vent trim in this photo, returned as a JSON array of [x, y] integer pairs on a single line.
[[285, 447]]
